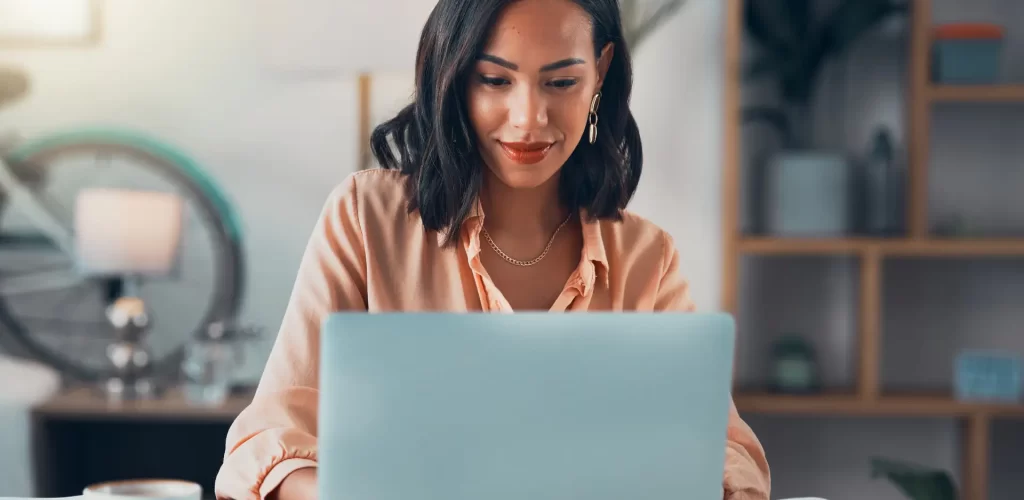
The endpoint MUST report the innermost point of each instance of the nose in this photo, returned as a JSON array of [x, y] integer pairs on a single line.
[[528, 108]]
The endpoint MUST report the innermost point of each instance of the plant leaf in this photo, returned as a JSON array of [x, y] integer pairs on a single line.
[[757, 19], [915, 481], [651, 22], [763, 66], [801, 16], [851, 20], [774, 117]]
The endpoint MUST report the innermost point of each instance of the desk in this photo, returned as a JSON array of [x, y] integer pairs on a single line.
[[80, 438]]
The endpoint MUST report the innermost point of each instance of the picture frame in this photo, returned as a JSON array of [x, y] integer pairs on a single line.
[[50, 23]]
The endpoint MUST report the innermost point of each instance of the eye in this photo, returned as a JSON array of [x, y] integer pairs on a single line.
[[493, 81], [564, 83]]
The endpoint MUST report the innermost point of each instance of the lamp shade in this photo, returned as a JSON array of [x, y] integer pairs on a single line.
[[342, 36], [123, 232]]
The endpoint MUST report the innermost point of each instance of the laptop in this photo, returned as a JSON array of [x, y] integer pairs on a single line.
[[527, 406]]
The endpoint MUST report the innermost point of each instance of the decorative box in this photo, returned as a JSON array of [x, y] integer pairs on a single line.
[[988, 376], [965, 53]]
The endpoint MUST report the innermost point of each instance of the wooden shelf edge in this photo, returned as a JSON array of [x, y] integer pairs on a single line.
[[977, 93], [84, 403], [933, 247], [803, 246], [884, 406]]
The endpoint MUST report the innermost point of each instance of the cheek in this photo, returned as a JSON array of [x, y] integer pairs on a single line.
[[486, 111], [572, 113]]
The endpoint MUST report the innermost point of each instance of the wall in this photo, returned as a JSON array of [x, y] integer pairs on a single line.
[[192, 72]]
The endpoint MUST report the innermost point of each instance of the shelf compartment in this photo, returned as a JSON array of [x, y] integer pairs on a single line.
[[814, 298]]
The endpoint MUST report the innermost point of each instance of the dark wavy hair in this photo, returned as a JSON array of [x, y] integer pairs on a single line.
[[433, 142]]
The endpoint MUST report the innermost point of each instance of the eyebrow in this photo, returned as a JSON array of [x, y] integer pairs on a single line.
[[564, 63]]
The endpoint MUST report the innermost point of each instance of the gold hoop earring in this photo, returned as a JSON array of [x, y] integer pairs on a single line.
[[592, 118]]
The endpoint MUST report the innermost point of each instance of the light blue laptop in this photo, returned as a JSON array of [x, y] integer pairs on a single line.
[[594, 406]]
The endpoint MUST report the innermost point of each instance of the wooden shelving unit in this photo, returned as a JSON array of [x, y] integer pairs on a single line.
[[983, 93], [903, 247], [868, 399], [895, 405]]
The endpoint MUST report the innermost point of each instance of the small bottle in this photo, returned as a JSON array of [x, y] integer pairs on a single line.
[[880, 179]]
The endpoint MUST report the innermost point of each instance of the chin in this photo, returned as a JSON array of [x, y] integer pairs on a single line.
[[518, 176]]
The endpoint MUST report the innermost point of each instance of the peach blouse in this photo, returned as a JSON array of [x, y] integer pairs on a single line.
[[368, 253]]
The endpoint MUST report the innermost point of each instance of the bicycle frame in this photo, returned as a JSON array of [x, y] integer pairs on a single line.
[[20, 198]]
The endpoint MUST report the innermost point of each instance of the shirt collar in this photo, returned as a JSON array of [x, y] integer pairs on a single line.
[[593, 249], [594, 255]]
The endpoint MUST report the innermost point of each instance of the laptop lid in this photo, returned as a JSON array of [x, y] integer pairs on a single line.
[[595, 406]]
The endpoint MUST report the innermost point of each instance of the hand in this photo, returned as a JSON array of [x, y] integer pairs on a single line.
[[299, 485]]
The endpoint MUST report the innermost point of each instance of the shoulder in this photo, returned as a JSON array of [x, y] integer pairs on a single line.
[[373, 194], [636, 239], [645, 258]]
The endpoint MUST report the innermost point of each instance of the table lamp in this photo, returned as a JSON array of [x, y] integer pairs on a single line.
[[363, 37], [125, 237]]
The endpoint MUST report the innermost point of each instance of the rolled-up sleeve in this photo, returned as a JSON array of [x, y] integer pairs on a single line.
[[277, 433], [747, 475]]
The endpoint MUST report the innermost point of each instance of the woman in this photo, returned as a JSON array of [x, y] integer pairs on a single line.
[[504, 189]]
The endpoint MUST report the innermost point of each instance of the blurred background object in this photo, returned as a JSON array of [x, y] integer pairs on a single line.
[[641, 18], [49, 22], [108, 207], [807, 190], [128, 237], [13, 85], [873, 215]]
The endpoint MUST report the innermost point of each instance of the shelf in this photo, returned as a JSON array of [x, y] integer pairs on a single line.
[[83, 403], [922, 405], [1010, 247], [805, 246], [977, 93]]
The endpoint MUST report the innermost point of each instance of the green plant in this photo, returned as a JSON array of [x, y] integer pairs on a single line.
[[796, 43], [640, 18], [915, 481]]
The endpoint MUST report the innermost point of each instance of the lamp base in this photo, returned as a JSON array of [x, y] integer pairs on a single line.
[[119, 389]]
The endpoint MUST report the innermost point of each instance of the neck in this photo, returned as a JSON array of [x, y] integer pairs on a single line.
[[521, 212]]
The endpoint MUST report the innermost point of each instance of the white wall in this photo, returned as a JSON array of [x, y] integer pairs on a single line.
[[677, 101]]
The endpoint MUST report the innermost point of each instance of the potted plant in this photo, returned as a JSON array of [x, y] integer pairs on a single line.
[[807, 190]]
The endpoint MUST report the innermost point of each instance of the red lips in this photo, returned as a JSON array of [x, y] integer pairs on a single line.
[[526, 153]]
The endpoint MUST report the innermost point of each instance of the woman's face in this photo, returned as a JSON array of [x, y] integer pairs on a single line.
[[530, 93]]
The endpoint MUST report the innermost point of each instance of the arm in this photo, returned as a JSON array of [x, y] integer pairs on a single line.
[[747, 476], [275, 437]]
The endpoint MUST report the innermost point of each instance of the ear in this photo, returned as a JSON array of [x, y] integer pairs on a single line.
[[604, 62]]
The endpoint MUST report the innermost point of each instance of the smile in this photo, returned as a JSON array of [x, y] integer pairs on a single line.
[[526, 153]]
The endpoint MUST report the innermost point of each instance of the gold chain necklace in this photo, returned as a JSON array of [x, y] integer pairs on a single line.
[[525, 263]]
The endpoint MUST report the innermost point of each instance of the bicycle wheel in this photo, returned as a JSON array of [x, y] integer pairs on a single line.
[[64, 326]]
